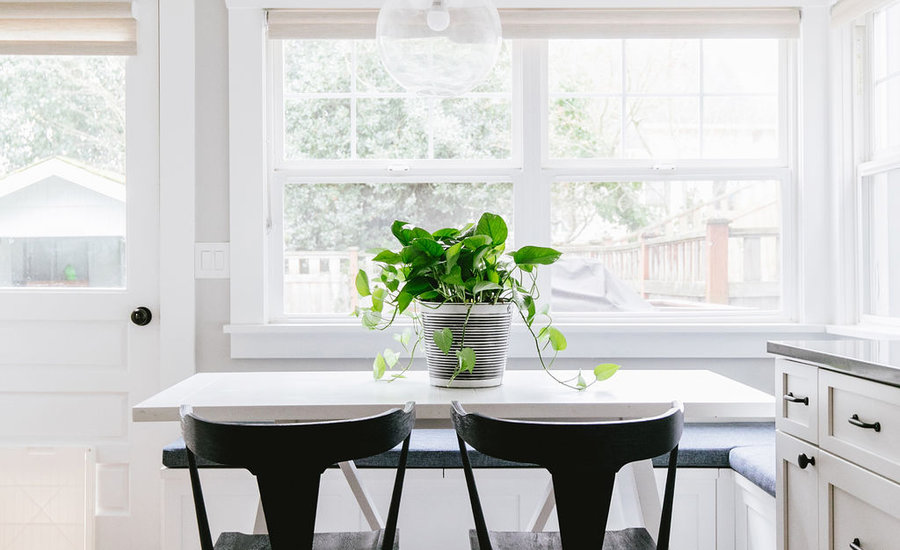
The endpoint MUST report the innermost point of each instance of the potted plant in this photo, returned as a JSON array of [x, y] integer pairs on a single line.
[[461, 288]]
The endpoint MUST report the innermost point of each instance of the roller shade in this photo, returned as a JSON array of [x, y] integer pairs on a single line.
[[67, 28], [565, 23], [846, 11]]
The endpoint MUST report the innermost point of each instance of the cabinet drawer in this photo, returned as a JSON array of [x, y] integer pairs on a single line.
[[796, 493], [860, 420], [796, 388], [856, 507]]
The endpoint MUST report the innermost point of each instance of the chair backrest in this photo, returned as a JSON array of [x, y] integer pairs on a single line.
[[288, 461], [582, 458]]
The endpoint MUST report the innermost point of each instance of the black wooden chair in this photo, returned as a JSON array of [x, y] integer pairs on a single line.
[[288, 461], [583, 459]]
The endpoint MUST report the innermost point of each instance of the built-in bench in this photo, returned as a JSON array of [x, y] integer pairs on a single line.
[[746, 447]]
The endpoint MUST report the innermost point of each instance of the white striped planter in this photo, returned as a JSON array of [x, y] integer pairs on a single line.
[[487, 332]]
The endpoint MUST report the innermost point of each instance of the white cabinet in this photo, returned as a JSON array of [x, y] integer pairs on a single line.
[[838, 472], [797, 508]]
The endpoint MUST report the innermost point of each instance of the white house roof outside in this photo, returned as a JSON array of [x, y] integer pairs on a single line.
[[59, 197]]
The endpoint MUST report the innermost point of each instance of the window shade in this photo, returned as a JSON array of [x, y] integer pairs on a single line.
[[565, 23], [846, 11], [67, 28]]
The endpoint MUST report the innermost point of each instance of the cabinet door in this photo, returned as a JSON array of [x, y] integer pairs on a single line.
[[858, 509], [796, 493], [796, 389]]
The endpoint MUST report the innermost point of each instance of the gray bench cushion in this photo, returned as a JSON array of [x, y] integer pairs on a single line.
[[702, 446], [757, 464]]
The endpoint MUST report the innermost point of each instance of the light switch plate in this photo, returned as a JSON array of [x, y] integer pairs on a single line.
[[211, 261]]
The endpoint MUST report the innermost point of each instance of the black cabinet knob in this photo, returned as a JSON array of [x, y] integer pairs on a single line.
[[141, 316], [805, 461]]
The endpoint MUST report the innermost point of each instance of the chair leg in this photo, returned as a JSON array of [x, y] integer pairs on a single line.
[[351, 474], [648, 496], [542, 514]]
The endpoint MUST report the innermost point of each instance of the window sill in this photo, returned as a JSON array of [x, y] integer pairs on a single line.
[[866, 331], [586, 340]]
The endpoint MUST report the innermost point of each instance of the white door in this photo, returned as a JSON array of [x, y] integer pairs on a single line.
[[79, 165]]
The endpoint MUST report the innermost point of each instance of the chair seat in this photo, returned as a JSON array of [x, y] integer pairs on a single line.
[[626, 539], [362, 540]]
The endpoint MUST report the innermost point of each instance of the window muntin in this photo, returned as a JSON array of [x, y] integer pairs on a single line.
[[674, 244], [330, 230], [62, 171], [664, 99], [338, 103]]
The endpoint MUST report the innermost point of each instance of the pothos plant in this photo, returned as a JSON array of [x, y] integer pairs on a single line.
[[469, 265]]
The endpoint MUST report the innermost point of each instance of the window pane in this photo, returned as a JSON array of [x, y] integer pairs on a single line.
[[633, 246], [328, 229], [663, 66], [62, 171], [662, 128], [587, 66], [392, 129], [886, 86], [881, 244], [317, 129], [670, 111], [317, 66], [340, 103]]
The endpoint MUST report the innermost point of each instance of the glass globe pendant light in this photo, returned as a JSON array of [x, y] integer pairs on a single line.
[[440, 48]]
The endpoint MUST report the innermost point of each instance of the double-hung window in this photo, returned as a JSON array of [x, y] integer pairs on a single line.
[[876, 37], [653, 147]]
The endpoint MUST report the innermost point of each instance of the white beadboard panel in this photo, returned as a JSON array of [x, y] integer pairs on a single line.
[[60, 343], [44, 498], [112, 489], [63, 417]]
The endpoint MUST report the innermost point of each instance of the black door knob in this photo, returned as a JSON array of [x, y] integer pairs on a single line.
[[141, 316], [805, 461]]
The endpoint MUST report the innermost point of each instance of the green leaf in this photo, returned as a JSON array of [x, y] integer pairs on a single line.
[[378, 367], [483, 286], [391, 358], [362, 283], [392, 284], [398, 232], [404, 338], [493, 226], [419, 233], [466, 358], [476, 241], [432, 248], [581, 383], [378, 299], [454, 277], [605, 371], [544, 333], [371, 319], [387, 257], [445, 233], [534, 255], [529, 306], [403, 301], [557, 340], [453, 255], [418, 285], [443, 339]]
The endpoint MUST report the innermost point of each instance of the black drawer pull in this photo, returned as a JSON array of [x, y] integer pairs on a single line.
[[791, 399], [859, 423], [805, 461], [855, 545]]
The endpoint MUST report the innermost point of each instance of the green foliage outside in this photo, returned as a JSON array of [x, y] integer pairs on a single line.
[[68, 106]]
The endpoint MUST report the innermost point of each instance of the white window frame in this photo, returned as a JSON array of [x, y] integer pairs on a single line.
[[870, 163], [256, 332]]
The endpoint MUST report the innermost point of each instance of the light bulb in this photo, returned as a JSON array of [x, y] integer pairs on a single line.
[[438, 17]]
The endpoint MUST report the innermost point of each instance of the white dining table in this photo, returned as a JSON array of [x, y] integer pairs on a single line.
[[524, 394]]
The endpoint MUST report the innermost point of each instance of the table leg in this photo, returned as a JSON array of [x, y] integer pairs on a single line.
[[259, 526], [362, 496], [539, 520], [648, 495]]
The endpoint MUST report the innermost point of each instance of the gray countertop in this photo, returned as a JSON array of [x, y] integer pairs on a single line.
[[877, 360]]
